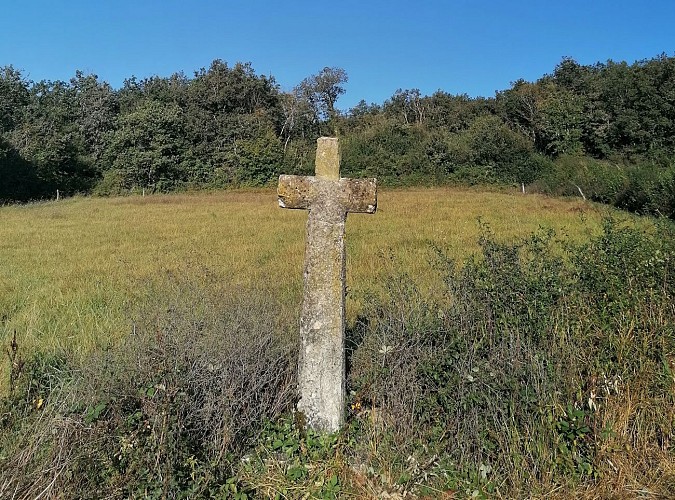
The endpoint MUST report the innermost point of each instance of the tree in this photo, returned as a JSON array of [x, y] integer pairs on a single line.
[[259, 160], [97, 108], [300, 117], [14, 96], [226, 105], [18, 179], [493, 144], [148, 148], [49, 138], [455, 113], [322, 91], [551, 116], [406, 105], [572, 76]]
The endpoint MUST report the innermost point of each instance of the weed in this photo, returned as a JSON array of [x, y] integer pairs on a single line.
[[166, 413], [516, 373], [532, 368]]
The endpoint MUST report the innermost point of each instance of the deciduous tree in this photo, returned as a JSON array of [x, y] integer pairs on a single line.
[[148, 147], [322, 91]]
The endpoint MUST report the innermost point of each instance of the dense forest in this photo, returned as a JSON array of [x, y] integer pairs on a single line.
[[604, 131]]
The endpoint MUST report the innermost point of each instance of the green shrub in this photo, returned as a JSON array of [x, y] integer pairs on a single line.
[[650, 189], [516, 376], [642, 187], [597, 180]]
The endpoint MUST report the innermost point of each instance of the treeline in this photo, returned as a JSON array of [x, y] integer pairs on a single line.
[[605, 131]]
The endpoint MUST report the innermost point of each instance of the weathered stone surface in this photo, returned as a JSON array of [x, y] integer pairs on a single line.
[[321, 377], [327, 164], [355, 195]]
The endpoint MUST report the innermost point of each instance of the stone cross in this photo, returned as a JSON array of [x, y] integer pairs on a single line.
[[321, 374]]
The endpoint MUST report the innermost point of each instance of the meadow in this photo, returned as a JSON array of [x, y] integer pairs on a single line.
[[499, 345], [74, 270]]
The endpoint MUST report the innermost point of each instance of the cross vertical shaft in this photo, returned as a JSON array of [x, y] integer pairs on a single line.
[[321, 374]]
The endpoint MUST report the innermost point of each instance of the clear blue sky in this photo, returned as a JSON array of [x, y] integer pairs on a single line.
[[460, 46]]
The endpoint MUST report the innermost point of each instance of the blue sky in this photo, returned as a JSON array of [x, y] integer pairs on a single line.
[[459, 46]]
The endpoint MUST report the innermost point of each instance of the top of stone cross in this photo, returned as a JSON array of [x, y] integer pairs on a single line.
[[328, 158]]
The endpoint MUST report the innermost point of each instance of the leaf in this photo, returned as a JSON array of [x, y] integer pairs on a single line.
[[94, 413]]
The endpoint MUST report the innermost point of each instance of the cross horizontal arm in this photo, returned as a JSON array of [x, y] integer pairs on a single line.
[[295, 191], [359, 195], [353, 195]]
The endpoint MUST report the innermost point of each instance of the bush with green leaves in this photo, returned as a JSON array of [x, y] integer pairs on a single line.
[[641, 186], [517, 375]]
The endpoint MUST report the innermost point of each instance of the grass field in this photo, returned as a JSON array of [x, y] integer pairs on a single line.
[[539, 369], [73, 270]]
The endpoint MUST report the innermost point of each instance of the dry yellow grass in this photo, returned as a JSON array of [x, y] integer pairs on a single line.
[[72, 270]]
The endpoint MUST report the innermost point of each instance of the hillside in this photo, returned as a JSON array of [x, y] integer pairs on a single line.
[[499, 345], [75, 269]]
